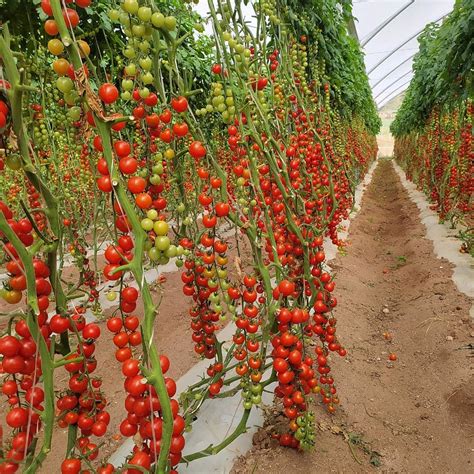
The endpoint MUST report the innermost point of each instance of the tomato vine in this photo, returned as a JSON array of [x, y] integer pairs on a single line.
[[164, 163]]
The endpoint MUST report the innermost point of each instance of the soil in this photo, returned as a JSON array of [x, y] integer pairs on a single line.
[[413, 415]]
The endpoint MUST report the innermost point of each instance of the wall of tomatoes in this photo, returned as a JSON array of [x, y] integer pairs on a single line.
[[439, 159], [133, 159], [433, 128]]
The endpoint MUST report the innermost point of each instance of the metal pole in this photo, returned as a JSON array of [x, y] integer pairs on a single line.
[[392, 83], [385, 23], [391, 95], [403, 44], [394, 69]]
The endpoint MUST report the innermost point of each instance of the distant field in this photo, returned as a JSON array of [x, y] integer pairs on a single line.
[[387, 114]]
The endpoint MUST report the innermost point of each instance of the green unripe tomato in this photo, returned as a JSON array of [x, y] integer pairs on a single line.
[[144, 13], [138, 30], [179, 263], [172, 251], [299, 434], [155, 179], [158, 168], [130, 6], [221, 273], [247, 405], [256, 399], [144, 92], [64, 84], [158, 20], [13, 162], [146, 63], [179, 250], [124, 19], [144, 46], [147, 224], [71, 97], [131, 70], [147, 79], [162, 242], [161, 228], [154, 254], [111, 296], [114, 15], [152, 214], [129, 52], [170, 23], [74, 113], [256, 389], [127, 84]]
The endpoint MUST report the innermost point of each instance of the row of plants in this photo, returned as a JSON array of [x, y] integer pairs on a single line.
[[433, 128], [120, 145]]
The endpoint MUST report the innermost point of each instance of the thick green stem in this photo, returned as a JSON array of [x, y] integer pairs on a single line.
[[211, 450]]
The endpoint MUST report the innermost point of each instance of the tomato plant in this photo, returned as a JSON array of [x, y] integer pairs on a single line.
[[114, 145], [434, 126]]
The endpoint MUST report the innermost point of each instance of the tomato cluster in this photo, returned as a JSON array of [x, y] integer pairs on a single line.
[[16, 283], [200, 283], [4, 113], [144, 411], [440, 160]]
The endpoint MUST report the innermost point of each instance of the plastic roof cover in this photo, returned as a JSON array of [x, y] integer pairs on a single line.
[[389, 54]]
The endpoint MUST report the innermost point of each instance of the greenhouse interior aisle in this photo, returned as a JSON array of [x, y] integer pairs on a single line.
[[236, 236], [397, 298]]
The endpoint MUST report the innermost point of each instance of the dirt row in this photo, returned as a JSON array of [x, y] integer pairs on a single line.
[[413, 415]]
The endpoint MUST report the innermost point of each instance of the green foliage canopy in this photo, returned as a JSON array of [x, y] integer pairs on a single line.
[[444, 69]]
